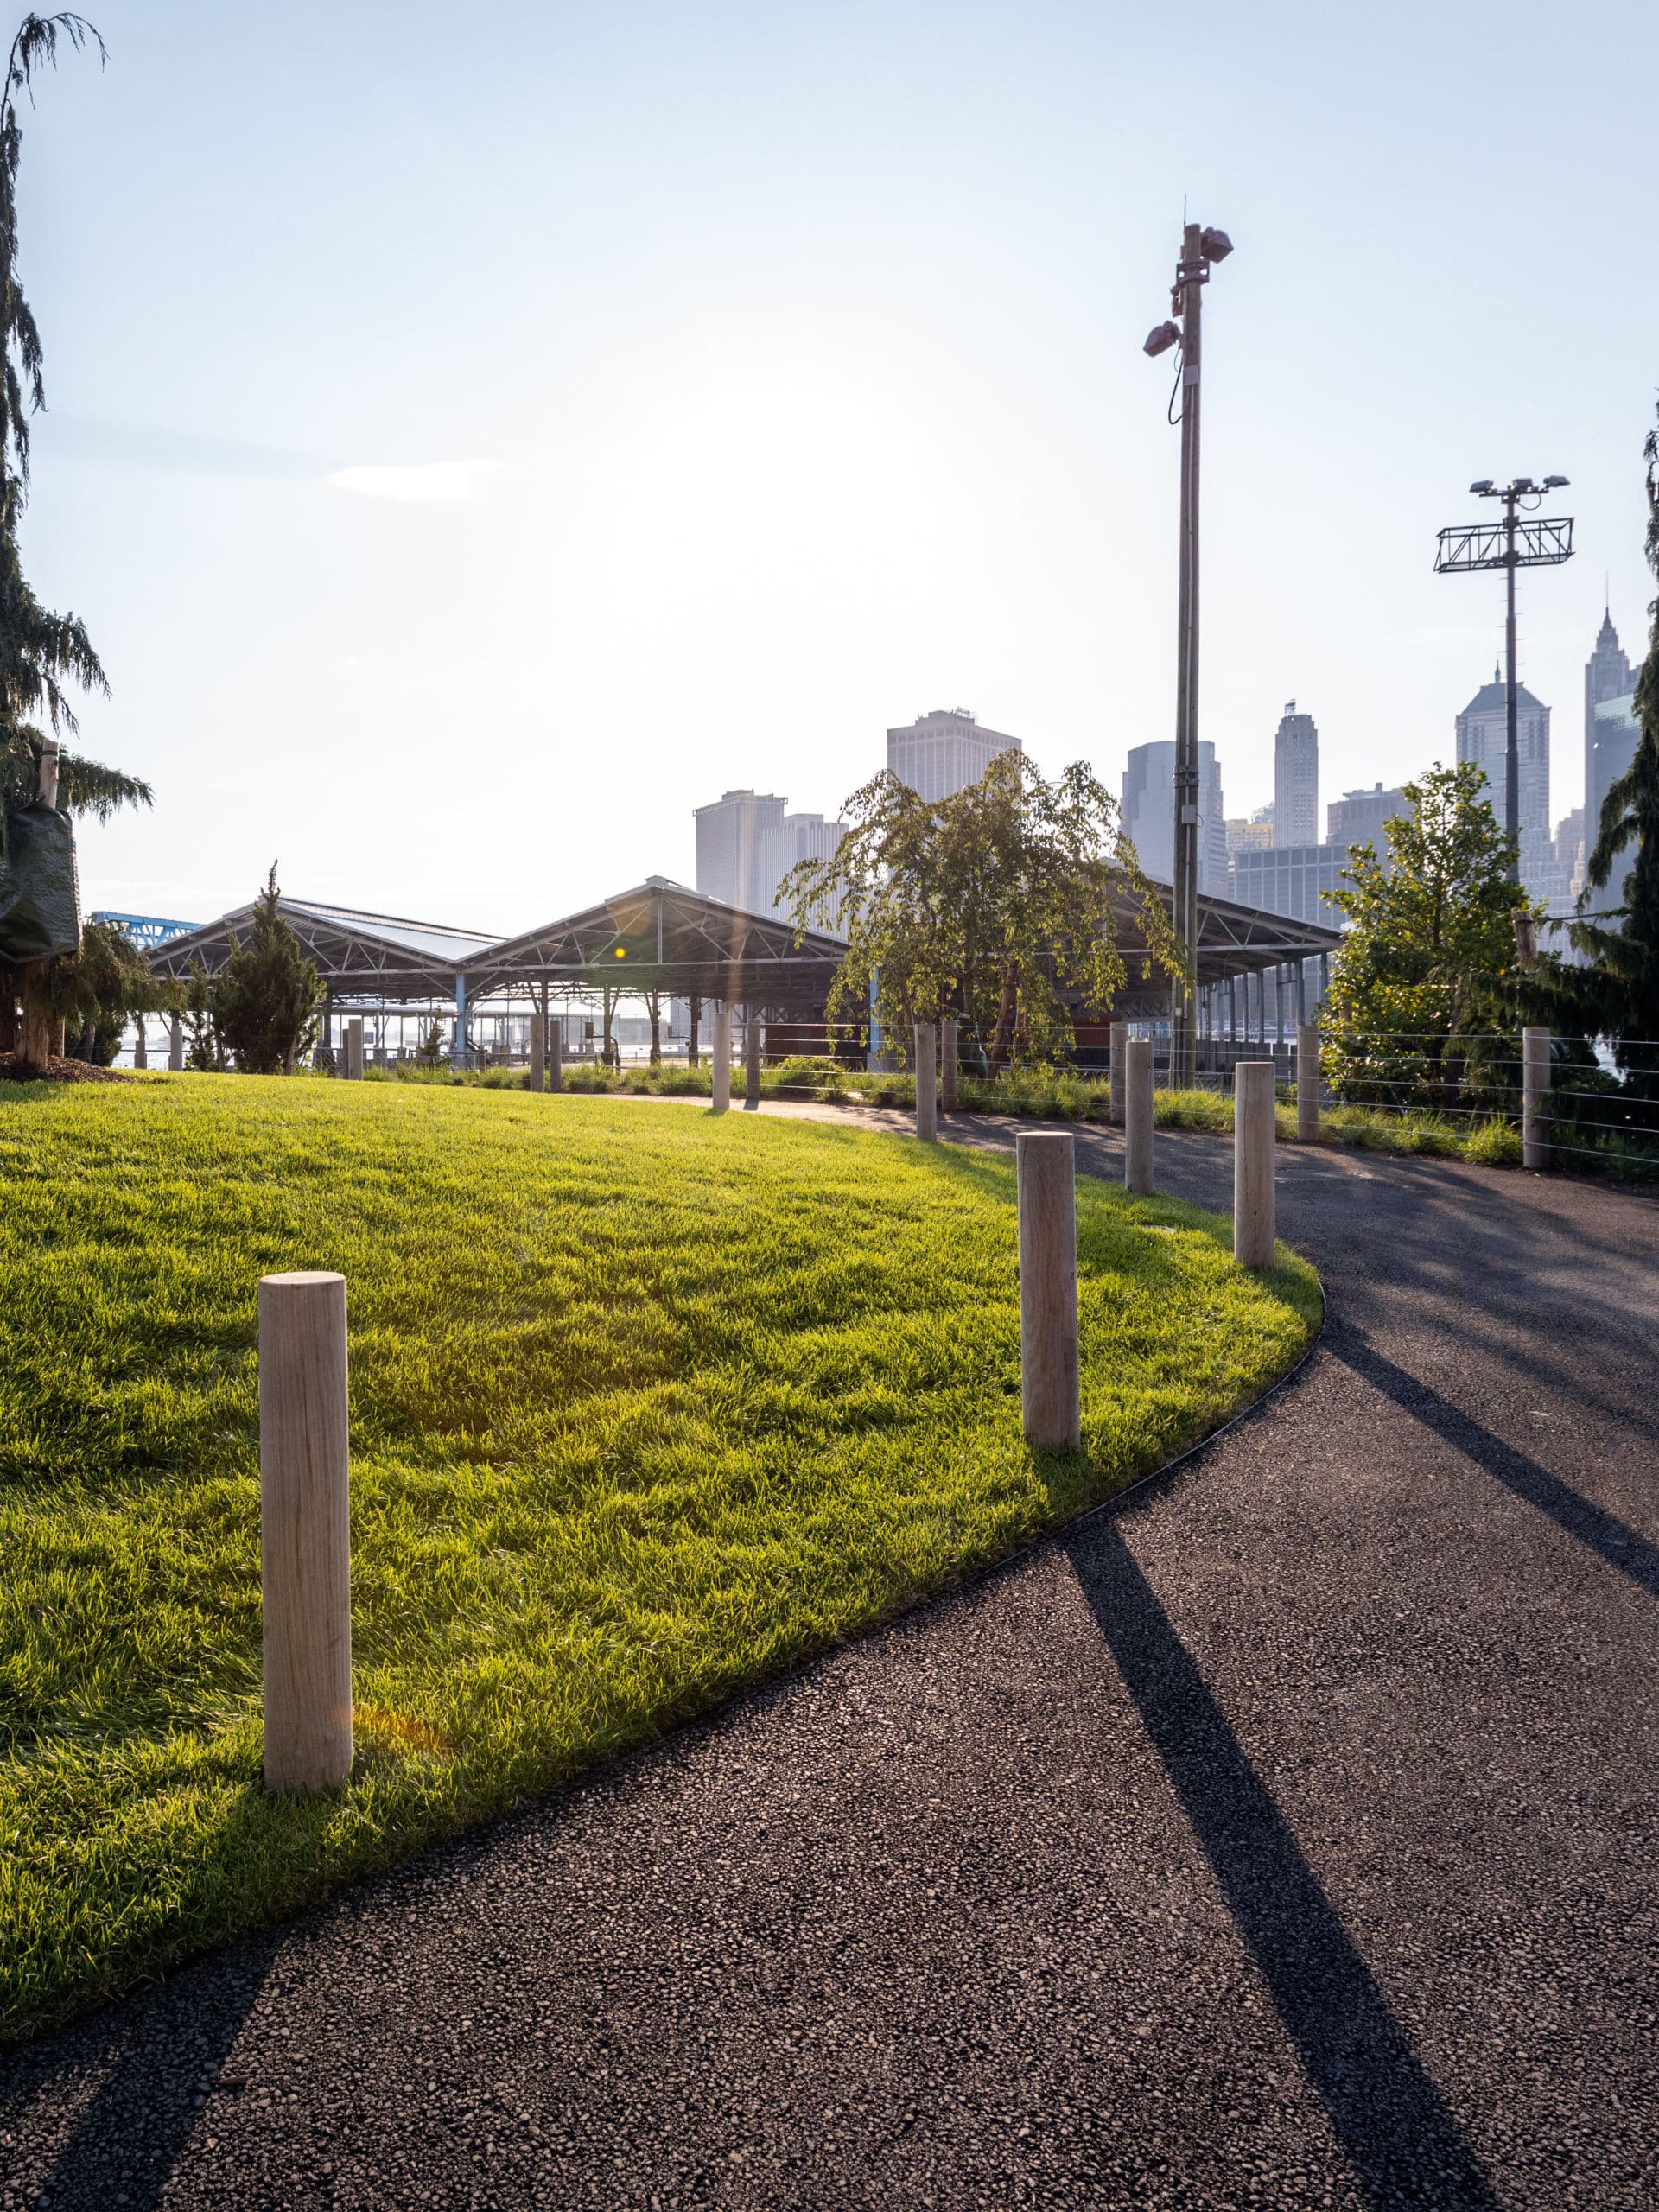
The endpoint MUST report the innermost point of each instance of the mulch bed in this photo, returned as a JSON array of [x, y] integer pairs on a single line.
[[14, 1068]]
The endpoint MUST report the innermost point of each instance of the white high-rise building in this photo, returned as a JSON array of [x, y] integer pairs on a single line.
[[783, 844], [1483, 737], [1610, 725], [1296, 779], [1149, 813], [729, 847], [946, 750]]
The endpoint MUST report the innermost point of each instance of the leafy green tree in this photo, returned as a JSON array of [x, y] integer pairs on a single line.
[[264, 1005], [205, 1053], [113, 983], [1426, 980], [998, 906]]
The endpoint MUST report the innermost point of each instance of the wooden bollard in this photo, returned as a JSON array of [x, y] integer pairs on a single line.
[[1049, 1386], [141, 1046], [556, 1053], [305, 1530], [1117, 1060], [1254, 1135], [175, 1045], [354, 1049], [720, 1056], [1535, 1098], [752, 1063], [948, 1067], [1307, 1083], [927, 1081], [1137, 1116], [537, 1051]]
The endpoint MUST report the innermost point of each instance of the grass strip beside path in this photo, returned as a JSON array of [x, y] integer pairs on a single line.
[[645, 1406]]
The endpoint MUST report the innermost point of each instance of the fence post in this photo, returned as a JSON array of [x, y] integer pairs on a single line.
[[354, 1049], [751, 1061], [537, 1049], [1253, 1144], [141, 1046], [1307, 1083], [1049, 1387], [305, 1530], [556, 1053], [1137, 1116], [927, 1081], [1535, 1098], [175, 1045], [720, 1056], [1118, 1067], [948, 1067]]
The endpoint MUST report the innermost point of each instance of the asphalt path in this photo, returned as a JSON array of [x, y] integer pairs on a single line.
[[1283, 1836]]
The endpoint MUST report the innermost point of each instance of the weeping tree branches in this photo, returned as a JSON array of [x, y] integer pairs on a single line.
[[997, 906]]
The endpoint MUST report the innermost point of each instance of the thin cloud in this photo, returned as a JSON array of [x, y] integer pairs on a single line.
[[422, 482]]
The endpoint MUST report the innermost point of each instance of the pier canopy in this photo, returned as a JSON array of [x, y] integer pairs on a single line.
[[379, 956]]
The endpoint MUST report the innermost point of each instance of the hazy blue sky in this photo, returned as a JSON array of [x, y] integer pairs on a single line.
[[771, 373]]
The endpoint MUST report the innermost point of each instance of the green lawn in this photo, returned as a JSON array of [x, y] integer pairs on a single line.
[[645, 1406]]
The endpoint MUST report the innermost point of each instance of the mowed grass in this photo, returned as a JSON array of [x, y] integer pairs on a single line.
[[645, 1405]]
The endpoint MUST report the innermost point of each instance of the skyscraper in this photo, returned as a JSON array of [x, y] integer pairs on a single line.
[[1610, 725], [1149, 813], [782, 844], [1483, 738], [1296, 779], [1362, 818], [944, 751], [728, 846]]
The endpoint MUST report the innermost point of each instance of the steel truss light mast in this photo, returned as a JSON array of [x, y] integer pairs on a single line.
[[1200, 248], [1510, 544]]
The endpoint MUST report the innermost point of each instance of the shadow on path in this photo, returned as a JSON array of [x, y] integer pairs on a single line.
[[1615, 1540], [1400, 2137]]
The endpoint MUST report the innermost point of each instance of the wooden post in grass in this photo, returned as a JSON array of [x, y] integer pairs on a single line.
[[927, 1082], [175, 1044], [1254, 1135], [305, 1531], [538, 1048], [947, 1067], [1535, 1098], [1307, 1083], [140, 1046], [751, 1061], [1049, 1387], [720, 1056], [1137, 1115], [556, 1053], [1118, 1067], [354, 1049]]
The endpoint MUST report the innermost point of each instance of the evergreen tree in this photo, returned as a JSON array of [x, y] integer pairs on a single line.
[[1427, 977], [266, 1000]]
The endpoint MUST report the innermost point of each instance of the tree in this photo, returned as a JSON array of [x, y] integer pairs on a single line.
[[1618, 996], [998, 906], [266, 1000], [205, 1053], [1427, 977]]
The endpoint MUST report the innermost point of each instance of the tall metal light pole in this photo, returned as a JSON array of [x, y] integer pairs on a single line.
[[1510, 544], [1200, 248]]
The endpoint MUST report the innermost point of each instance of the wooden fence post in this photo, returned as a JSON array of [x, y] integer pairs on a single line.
[[1118, 1072], [948, 1067], [751, 1061], [927, 1081], [175, 1044], [1535, 1098], [305, 1530], [140, 1046], [354, 1049], [537, 1049], [556, 1053], [1049, 1383], [720, 1056], [1137, 1116], [1254, 1135], [1307, 1083]]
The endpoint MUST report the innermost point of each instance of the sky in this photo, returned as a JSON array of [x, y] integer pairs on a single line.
[[476, 438]]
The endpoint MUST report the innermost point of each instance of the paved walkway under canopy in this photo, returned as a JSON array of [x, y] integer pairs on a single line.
[[1283, 1837]]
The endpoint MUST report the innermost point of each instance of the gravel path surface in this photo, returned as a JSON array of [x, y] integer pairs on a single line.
[[1283, 1837]]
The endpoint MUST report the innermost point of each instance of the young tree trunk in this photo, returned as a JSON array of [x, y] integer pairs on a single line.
[[1002, 1038], [654, 1000], [7, 1011], [696, 1007]]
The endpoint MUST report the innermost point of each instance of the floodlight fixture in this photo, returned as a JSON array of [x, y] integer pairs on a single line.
[[1159, 340], [1554, 483], [1523, 484], [1217, 245], [1482, 484]]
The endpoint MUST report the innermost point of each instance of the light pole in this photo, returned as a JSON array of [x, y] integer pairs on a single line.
[[1200, 249], [1508, 544]]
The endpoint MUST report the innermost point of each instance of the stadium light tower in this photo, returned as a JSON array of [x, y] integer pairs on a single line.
[[1508, 544], [1200, 250]]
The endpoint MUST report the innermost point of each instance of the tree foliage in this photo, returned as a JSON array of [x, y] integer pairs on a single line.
[[1427, 978], [264, 1003], [998, 906], [102, 985]]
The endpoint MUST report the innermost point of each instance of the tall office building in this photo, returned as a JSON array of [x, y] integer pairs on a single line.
[[729, 847], [1290, 880], [782, 845], [1483, 738], [1296, 779], [1362, 818], [1149, 813], [1610, 724], [946, 750]]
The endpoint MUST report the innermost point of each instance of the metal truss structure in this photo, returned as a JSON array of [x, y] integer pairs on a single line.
[[1540, 542], [148, 931]]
